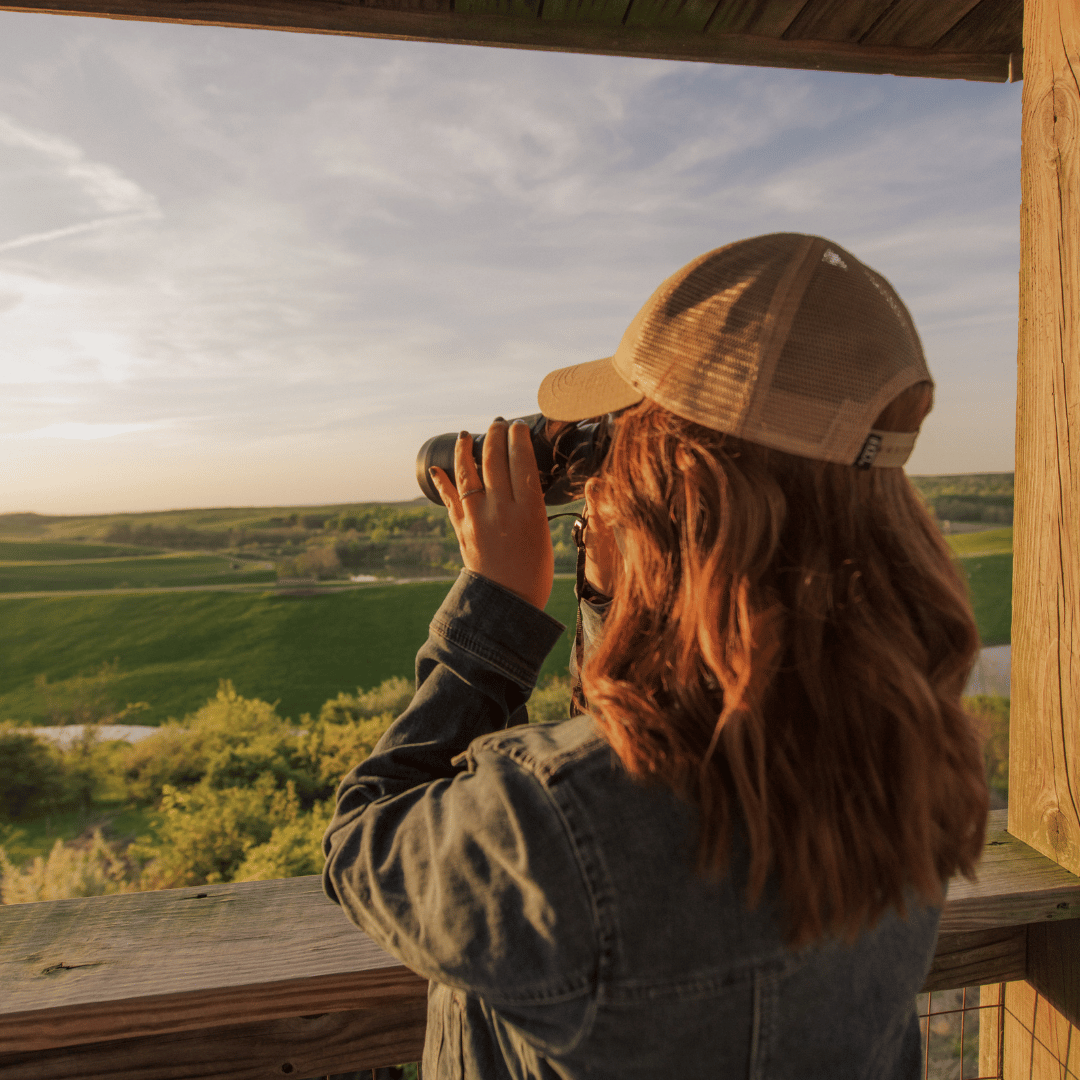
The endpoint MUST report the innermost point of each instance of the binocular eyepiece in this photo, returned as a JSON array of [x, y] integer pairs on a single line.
[[566, 454]]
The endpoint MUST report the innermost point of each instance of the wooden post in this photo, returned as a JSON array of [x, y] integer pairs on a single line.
[[1044, 752]]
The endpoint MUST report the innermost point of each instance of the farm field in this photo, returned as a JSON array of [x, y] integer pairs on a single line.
[[147, 572], [171, 649], [46, 551]]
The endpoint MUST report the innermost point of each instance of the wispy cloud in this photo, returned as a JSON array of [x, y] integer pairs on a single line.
[[303, 254]]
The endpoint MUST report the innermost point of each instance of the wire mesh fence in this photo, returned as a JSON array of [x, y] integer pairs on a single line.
[[950, 1022]]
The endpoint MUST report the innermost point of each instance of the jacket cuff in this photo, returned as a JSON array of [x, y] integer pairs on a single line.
[[497, 627]]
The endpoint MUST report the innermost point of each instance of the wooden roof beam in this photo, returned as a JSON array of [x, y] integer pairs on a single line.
[[434, 20]]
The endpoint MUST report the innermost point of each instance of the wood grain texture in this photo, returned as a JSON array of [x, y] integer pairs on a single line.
[[836, 20], [992, 24], [146, 964], [991, 1027], [601, 12], [977, 957], [1015, 884], [1044, 750], [689, 15], [918, 24], [433, 20], [1053, 966], [302, 1046], [1039, 1042], [117, 967], [763, 18]]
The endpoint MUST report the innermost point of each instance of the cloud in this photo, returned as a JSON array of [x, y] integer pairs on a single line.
[[307, 253]]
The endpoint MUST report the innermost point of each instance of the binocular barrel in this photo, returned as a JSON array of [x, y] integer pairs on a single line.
[[564, 460]]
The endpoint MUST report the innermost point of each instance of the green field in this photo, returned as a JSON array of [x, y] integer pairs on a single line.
[[171, 649], [44, 551], [990, 582], [155, 571]]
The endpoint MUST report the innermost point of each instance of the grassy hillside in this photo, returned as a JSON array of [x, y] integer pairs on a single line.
[[171, 649], [155, 571], [46, 551]]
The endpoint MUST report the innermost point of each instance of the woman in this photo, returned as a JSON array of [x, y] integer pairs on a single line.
[[733, 863]]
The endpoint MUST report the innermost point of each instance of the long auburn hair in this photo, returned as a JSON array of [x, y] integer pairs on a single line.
[[788, 644]]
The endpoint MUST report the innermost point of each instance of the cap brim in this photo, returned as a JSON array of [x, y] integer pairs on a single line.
[[585, 390]]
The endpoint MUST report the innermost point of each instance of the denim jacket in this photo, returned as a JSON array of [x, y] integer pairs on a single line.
[[554, 906]]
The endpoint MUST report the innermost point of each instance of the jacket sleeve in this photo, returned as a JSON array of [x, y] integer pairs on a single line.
[[460, 864]]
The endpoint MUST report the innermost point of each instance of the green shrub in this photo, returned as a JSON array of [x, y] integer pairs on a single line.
[[992, 713], [550, 702], [204, 834], [31, 775], [229, 742], [390, 696], [293, 850], [95, 868]]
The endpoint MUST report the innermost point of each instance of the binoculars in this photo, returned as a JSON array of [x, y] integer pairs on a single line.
[[566, 455]]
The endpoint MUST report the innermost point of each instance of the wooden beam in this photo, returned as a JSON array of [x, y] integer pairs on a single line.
[[488, 22], [146, 964], [1044, 752], [972, 959], [1053, 968], [300, 1047], [1015, 885]]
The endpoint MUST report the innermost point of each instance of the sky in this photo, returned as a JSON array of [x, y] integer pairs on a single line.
[[244, 268]]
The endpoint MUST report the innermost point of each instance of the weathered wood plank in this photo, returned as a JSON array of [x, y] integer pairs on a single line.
[[836, 20], [974, 958], [1053, 966], [688, 15], [122, 967], [918, 24], [1015, 885], [763, 18], [1044, 737], [302, 1046], [996, 25], [991, 1005], [414, 20], [602, 12], [116, 967]]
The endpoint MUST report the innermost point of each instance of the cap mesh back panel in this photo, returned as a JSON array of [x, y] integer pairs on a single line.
[[850, 338]]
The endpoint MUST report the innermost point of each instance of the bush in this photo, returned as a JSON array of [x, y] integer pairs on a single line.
[[992, 714], [204, 834], [229, 742], [31, 775], [79, 869], [550, 702], [391, 696]]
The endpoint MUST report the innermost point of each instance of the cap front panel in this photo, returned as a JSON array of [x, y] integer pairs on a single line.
[[697, 349]]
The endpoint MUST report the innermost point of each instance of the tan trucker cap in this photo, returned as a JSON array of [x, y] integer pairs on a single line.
[[784, 340]]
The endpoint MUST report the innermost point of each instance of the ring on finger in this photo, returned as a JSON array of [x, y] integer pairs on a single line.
[[475, 491]]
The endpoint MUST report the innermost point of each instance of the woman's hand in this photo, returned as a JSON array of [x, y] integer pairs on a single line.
[[500, 522]]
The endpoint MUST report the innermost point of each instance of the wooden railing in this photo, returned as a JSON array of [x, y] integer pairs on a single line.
[[268, 979]]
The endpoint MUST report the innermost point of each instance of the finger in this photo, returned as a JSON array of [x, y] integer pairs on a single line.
[[447, 492], [496, 466], [468, 479], [524, 475]]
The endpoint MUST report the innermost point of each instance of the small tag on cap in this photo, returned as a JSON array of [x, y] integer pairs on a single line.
[[869, 451], [886, 449]]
